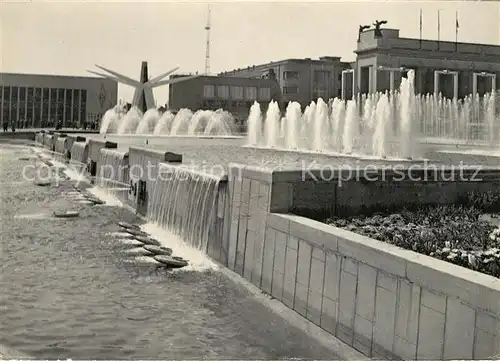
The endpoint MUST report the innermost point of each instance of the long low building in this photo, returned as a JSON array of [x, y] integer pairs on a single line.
[[35, 100], [234, 94]]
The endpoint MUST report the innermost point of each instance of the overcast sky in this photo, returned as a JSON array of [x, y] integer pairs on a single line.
[[69, 37]]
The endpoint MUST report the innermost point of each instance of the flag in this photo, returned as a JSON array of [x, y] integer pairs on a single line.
[[420, 28], [439, 27], [457, 26]]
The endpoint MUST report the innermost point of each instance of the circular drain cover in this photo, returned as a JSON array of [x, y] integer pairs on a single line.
[[158, 250], [136, 232], [129, 226], [170, 261], [130, 242], [145, 260], [95, 200], [43, 183], [139, 251], [147, 240], [68, 214]]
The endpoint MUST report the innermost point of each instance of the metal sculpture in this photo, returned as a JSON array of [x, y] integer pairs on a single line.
[[361, 29], [143, 94], [377, 24]]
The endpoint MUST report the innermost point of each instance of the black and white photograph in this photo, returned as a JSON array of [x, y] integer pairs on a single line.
[[249, 180]]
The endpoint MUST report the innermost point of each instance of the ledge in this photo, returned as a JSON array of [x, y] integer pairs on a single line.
[[473, 287], [105, 144], [168, 166], [241, 171], [161, 156], [115, 151]]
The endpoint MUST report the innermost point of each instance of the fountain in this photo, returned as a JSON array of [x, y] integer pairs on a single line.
[[129, 123], [111, 120], [255, 124], [148, 122], [387, 125], [184, 123], [184, 202], [113, 169]]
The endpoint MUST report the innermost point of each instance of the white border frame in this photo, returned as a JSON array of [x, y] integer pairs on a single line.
[[343, 83], [454, 73], [483, 74]]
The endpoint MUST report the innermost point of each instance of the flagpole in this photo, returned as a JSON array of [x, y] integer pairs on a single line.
[[439, 28], [457, 26], [420, 28]]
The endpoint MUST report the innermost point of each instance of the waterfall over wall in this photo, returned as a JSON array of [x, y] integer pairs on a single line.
[[185, 202], [60, 146], [79, 154], [39, 138], [112, 169]]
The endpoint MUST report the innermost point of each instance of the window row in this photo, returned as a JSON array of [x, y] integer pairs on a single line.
[[226, 104], [236, 92], [319, 76], [41, 107]]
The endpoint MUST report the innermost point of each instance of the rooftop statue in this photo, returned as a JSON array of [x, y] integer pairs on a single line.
[[361, 29], [377, 23]]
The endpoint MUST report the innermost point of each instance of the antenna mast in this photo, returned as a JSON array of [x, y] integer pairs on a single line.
[[207, 50]]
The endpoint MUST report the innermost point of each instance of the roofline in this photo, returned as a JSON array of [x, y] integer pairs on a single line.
[[284, 61], [219, 77], [57, 76], [452, 42]]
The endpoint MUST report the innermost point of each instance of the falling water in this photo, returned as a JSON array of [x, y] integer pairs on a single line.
[[110, 121], [184, 202], [320, 125], [199, 121], [382, 127], [292, 118], [79, 154], [350, 128], [491, 121], [337, 120], [181, 121], [254, 124], [406, 133], [305, 131], [164, 123], [148, 122], [219, 123], [271, 125], [112, 170], [130, 121]]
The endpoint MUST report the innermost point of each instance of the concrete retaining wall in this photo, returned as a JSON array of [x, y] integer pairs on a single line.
[[113, 172], [143, 165], [95, 147], [71, 139], [48, 141], [79, 154], [351, 192], [60, 145], [39, 138], [382, 300]]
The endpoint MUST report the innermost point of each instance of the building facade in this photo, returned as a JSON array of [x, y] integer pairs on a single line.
[[301, 80], [452, 69], [36, 101], [234, 94]]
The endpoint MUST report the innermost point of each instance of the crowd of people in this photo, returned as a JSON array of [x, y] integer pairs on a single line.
[[90, 125]]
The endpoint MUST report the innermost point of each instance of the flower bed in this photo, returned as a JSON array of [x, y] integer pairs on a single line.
[[453, 233]]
